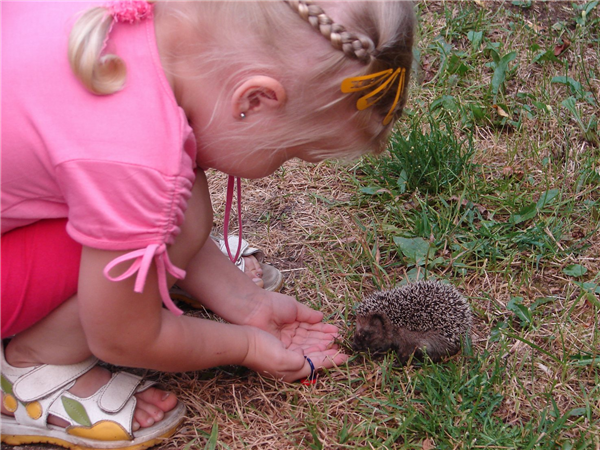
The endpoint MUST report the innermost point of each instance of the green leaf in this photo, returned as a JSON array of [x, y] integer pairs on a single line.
[[456, 65], [416, 250], [590, 6], [541, 106], [189, 445], [570, 103], [476, 37], [545, 55], [546, 198], [584, 359], [500, 71], [478, 111], [575, 270], [516, 306], [575, 86], [527, 213], [402, 181], [592, 288], [446, 102], [577, 412], [6, 385], [370, 190], [212, 440], [76, 411]]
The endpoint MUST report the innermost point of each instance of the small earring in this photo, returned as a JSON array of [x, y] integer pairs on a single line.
[[242, 115]]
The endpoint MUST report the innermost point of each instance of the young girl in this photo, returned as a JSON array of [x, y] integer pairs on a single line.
[[111, 114]]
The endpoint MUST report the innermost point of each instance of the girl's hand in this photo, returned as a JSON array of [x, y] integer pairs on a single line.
[[269, 356], [298, 327]]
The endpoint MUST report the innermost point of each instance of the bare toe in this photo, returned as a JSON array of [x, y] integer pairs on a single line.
[[163, 400], [147, 414], [253, 270], [252, 267]]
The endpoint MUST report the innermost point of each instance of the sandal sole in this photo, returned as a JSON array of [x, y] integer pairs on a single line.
[[22, 435]]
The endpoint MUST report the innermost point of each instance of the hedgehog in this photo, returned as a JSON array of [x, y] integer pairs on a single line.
[[422, 317]]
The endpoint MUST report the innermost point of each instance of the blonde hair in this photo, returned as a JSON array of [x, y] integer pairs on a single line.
[[245, 38], [100, 74]]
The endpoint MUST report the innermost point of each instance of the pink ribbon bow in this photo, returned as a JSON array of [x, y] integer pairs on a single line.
[[142, 259]]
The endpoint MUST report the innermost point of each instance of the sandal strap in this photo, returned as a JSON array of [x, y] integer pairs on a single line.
[[46, 379], [37, 388], [112, 406], [118, 391], [86, 413], [114, 402]]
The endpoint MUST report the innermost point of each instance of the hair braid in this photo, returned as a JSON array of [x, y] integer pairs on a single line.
[[383, 41], [353, 45]]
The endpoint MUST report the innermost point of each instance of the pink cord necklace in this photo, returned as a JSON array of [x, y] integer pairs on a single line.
[[230, 185]]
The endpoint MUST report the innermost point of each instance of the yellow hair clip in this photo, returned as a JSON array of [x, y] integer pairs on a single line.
[[384, 80]]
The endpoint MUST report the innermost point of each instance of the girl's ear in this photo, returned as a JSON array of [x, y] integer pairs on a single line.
[[257, 94]]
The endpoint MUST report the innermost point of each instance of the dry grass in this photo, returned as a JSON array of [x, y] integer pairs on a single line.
[[324, 252]]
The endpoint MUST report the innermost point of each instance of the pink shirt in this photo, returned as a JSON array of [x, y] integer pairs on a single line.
[[120, 167]]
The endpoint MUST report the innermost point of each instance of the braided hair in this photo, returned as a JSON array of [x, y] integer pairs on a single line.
[[352, 44], [367, 46]]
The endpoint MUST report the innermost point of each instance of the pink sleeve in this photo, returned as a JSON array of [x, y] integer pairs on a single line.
[[119, 206]]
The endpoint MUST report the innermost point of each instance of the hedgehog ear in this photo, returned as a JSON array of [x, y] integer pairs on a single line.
[[378, 320]]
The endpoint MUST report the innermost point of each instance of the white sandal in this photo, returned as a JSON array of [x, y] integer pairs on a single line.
[[101, 421], [272, 278]]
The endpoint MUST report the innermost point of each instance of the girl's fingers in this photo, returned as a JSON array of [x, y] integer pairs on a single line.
[[315, 330], [322, 327], [313, 337], [308, 315], [314, 347], [327, 359], [320, 360]]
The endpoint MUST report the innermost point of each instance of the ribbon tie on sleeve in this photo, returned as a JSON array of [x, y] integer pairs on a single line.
[[142, 260]]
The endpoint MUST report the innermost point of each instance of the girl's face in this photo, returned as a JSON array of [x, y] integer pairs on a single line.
[[242, 155], [244, 163], [249, 147], [249, 162]]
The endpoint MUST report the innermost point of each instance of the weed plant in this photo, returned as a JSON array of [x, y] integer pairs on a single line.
[[432, 161]]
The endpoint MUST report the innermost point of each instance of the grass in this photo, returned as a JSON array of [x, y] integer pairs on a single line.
[[498, 191], [491, 182]]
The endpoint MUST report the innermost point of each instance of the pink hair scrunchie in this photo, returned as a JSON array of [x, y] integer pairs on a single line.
[[130, 11]]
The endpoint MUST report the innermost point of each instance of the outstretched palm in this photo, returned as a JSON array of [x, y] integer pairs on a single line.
[[299, 328]]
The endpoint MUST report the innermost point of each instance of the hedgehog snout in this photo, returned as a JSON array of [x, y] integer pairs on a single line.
[[358, 343]]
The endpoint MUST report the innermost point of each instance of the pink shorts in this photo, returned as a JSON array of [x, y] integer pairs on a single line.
[[40, 270]]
